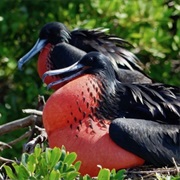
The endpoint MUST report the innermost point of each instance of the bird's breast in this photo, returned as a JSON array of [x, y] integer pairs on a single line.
[[69, 119], [72, 103]]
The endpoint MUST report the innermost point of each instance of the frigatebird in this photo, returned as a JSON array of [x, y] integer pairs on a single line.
[[110, 123], [56, 43]]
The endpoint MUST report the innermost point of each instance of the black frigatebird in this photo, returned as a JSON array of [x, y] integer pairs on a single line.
[[55, 41], [110, 123]]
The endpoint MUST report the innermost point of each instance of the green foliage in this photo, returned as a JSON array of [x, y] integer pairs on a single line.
[[111, 175], [167, 177], [54, 164]]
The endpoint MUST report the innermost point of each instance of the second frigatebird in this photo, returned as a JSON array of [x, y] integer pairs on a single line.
[[61, 48], [109, 123]]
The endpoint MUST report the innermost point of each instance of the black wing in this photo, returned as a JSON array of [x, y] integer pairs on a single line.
[[156, 102], [155, 143], [64, 55], [111, 46]]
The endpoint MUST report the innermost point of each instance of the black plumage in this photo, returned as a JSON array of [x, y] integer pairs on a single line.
[[75, 42], [156, 143], [145, 118]]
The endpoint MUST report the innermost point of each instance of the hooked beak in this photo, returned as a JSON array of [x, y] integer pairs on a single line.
[[35, 49], [68, 74]]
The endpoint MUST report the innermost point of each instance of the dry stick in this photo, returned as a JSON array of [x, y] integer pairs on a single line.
[[25, 135], [40, 138], [6, 160], [175, 164], [17, 124], [29, 147], [4, 144], [32, 111], [20, 123], [154, 171]]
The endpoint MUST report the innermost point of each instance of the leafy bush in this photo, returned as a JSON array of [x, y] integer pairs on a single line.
[[53, 164]]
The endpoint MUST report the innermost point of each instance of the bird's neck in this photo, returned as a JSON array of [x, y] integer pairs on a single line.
[[44, 63]]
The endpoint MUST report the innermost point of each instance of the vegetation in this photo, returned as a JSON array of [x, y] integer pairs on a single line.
[[153, 28], [54, 164]]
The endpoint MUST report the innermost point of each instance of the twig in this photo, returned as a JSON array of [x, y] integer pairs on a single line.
[[32, 111], [175, 164], [25, 135], [154, 171], [8, 145], [6, 160], [17, 124], [42, 137], [4, 144]]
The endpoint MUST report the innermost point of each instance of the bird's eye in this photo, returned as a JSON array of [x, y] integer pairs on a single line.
[[91, 60]]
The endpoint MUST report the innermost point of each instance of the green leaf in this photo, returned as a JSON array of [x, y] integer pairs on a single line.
[[120, 174], [16, 167], [24, 158], [64, 167], [55, 156], [72, 175], [32, 162], [113, 173], [77, 165], [48, 156], [23, 172], [58, 165], [10, 173], [87, 177], [37, 150], [42, 167], [176, 177], [70, 158], [63, 154], [54, 175], [104, 174], [70, 169]]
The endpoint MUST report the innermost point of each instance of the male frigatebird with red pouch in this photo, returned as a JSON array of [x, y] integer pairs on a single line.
[[109, 123], [60, 48]]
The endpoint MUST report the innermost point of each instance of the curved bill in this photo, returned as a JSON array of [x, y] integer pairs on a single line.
[[35, 49], [69, 73]]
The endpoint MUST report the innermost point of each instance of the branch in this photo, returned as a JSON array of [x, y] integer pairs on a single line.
[[39, 139], [6, 160], [159, 170], [17, 124], [10, 144], [25, 135], [175, 164], [3, 144], [32, 111]]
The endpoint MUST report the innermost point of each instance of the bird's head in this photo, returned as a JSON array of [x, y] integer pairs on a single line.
[[93, 63], [53, 33]]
